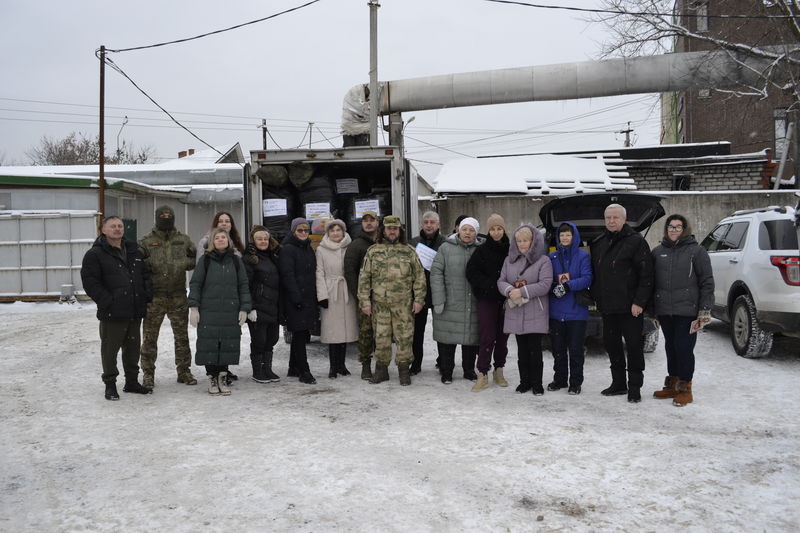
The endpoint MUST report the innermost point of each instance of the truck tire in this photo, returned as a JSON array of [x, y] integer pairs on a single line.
[[650, 341], [747, 337]]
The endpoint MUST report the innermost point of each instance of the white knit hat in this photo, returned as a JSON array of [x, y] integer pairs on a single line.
[[469, 221]]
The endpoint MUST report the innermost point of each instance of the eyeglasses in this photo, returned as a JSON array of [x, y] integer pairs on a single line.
[[675, 228], [302, 230]]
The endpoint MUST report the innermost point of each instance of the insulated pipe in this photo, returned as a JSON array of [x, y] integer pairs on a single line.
[[568, 81]]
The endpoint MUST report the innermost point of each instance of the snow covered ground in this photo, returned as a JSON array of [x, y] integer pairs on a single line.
[[345, 455]]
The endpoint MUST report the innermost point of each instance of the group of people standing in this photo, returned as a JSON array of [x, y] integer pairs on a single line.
[[373, 289]]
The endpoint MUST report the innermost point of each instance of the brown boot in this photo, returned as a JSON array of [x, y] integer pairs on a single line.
[[405, 374], [669, 388], [684, 395], [381, 373], [366, 370]]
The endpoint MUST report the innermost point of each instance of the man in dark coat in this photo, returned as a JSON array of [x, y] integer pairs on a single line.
[[429, 236], [169, 254], [115, 276], [622, 287], [353, 259]]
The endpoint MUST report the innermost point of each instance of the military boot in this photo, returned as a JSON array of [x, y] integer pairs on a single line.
[[148, 379], [684, 393], [366, 370], [405, 374], [185, 376], [132, 385], [481, 383], [669, 388], [222, 383], [381, 373]]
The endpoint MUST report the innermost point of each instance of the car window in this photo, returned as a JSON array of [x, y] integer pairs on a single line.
[[713, 240], [735, 238], [777, 235]]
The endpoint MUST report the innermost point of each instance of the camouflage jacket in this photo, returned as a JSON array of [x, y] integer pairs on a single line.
[[169, 256], [391, 273]]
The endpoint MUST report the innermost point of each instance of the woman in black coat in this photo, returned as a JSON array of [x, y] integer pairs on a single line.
[[684, 293], [483, 270], [298, 269], [261, 263]]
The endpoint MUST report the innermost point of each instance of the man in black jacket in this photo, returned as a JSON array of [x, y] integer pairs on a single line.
[[115, 276], [429, 236], [622, 287]]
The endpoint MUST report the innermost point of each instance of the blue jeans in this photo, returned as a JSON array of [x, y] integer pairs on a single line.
[[567, 339], [679, 345]]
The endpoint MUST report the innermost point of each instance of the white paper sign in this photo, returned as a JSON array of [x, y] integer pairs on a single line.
[[274, 207], [426, 255], [347, 186], [318, 210], [367, 205]]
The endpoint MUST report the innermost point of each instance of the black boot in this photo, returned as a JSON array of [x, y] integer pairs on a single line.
[[618, 384], [333, 358], [258, 368], [468, 365], [111, 392], [132, 385], [271, 376], [341, 368]]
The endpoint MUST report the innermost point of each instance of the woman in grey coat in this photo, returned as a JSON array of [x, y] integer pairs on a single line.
[[455, 309], [684, 292], [525, 281]]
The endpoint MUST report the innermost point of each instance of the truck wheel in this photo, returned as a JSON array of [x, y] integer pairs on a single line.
[[650, 341], [748, 339]]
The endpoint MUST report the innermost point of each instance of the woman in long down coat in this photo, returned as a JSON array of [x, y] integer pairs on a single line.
[[261, 263], [338, 314], [298, 271], [525, 281], [219, 300]]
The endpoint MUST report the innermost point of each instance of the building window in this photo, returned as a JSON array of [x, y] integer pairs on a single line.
[[781, 126], [701, 12], [704, 93]]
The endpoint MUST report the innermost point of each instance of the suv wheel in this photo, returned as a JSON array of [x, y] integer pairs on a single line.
[[748, 339], [650, 341]]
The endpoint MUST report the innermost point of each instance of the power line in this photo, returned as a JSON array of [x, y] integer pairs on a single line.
[[640, 13], [215, 32]]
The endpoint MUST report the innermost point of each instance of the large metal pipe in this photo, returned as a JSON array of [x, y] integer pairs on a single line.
[[568, 81]]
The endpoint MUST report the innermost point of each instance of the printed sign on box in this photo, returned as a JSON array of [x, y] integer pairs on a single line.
[[274, 207], [367, 205]]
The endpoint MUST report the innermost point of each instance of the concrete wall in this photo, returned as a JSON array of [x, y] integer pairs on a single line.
[[702, 209]]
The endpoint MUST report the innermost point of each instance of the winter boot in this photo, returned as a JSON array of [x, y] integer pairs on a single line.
[[498, 378], [615, 389], [669, 388], [366, 370], [133, 386], [307, 378], [468, 365], [148, 380], [482, 383], [186, 377], [222, 383], [405, 374], [381, 373], [634, 395], [271, 376], [340, 367], [554, 386], [259, 375], [333, 358], [230, 376], [213, 385], [684, 395], [111, 392]]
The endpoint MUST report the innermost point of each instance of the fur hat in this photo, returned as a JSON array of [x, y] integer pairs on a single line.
[[495, 220], [296, 222], [469, 221]]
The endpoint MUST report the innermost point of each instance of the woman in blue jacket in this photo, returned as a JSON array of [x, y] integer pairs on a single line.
[[572, 272]]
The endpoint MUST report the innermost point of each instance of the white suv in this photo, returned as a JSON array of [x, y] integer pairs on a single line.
[[756, 264]]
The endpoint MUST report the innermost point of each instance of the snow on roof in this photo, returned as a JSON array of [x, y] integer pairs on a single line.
[[531, 174]]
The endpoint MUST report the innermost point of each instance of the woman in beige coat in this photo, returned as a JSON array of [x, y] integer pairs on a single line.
[[339, 319]]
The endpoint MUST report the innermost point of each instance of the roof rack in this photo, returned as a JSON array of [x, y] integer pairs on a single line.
[[776, 208]]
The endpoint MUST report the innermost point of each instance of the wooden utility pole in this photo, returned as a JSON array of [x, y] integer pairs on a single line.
[[101, 180]]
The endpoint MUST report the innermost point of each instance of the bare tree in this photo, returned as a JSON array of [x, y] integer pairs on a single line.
[[646, 27], [78, 149]]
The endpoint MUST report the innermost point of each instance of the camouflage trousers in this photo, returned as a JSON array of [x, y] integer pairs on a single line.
[[174, 307], [366, 337], [393, 321]]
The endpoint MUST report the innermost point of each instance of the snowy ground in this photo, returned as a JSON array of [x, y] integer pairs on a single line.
[[348, 456]]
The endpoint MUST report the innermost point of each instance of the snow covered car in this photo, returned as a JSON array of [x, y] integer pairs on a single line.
[[756, 264], [587, 212]]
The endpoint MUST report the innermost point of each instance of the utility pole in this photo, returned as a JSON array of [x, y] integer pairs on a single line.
[[310, 131], [264, 133], [101, 181], [373, 72], [627, 133]]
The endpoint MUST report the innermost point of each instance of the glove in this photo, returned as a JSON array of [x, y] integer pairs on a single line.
[[242, 317], [566, 288], [194, 316], [323, 303], [558, 291], [252, 316]]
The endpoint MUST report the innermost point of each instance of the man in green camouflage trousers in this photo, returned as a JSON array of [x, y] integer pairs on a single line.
[[391, 289], [169, 254]]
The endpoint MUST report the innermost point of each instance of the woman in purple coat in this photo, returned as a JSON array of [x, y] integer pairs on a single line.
[[525, 281]]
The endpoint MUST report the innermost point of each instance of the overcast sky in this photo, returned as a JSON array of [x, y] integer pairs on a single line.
[[291, 70]]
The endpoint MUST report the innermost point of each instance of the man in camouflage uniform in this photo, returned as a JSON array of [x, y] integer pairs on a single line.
[[391, 289], [353, 259], [169, 254]]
